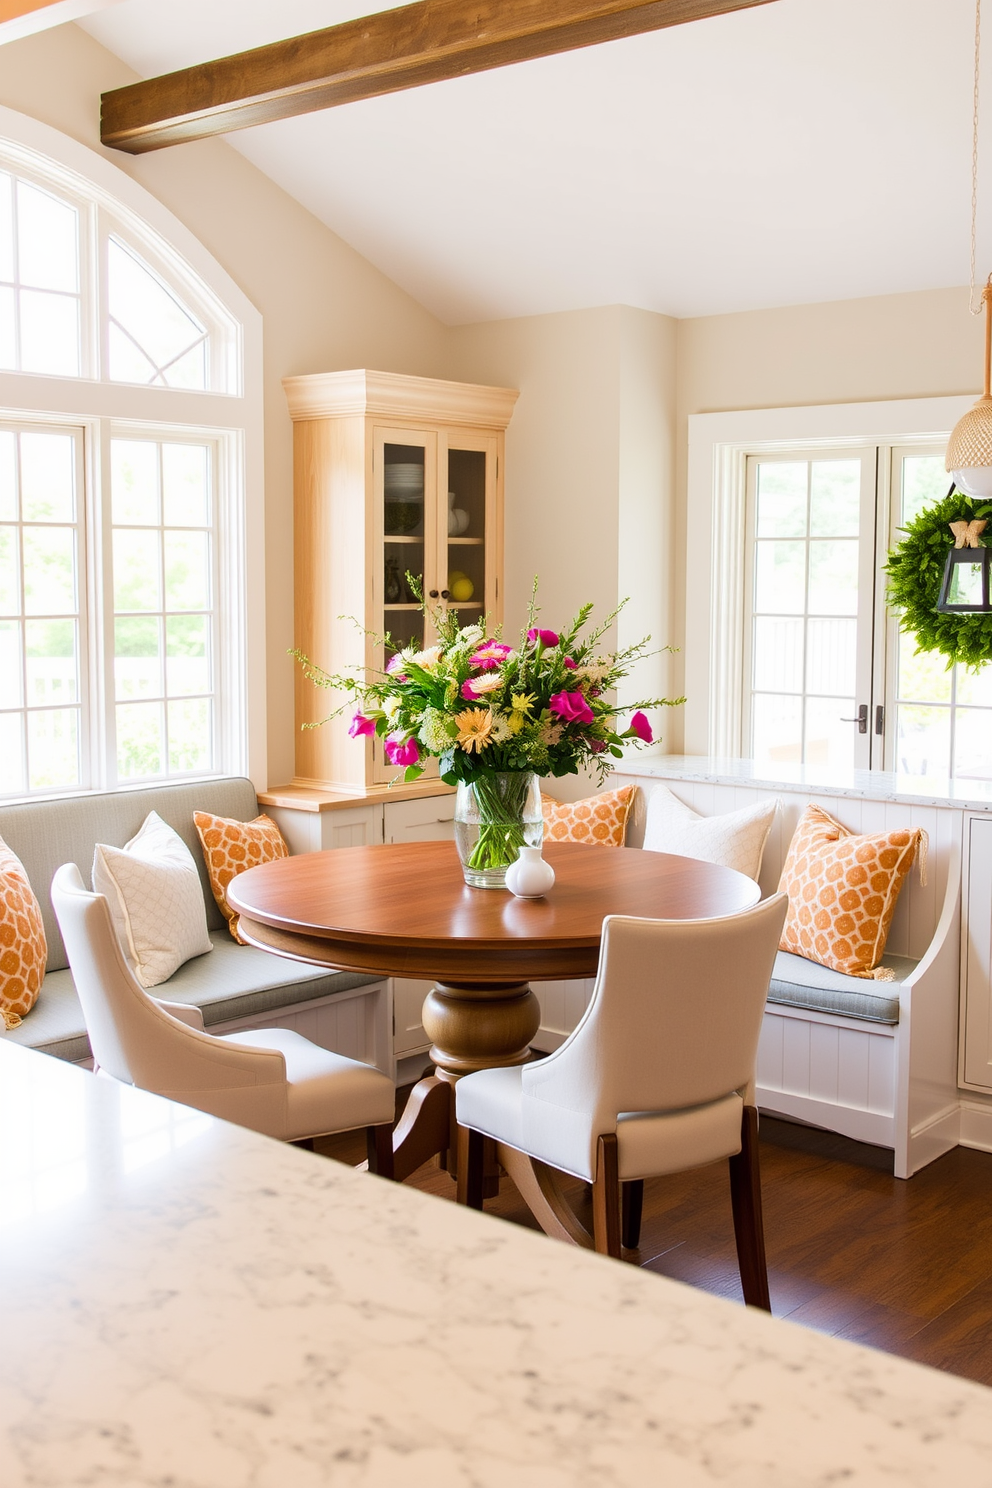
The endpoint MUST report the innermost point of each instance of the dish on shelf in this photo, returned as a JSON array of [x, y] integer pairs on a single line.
[[405, 478], [401, 516]]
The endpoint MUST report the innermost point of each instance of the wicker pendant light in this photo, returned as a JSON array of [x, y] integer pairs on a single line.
[[969, 449]]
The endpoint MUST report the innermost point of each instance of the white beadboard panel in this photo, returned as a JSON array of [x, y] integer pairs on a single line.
[[823, 1061], [563, 1003], [881, 1075], [795, 1056], [770, 1052], [852, 1076]]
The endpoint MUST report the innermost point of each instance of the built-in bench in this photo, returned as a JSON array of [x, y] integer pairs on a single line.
[[872, 1060], [234, 986]]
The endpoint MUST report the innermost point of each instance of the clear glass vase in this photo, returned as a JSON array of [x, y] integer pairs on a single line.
[[496, 815]]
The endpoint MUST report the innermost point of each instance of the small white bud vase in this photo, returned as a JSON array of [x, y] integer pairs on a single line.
[[529, 876]]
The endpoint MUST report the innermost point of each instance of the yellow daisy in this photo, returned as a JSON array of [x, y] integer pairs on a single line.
[[475, 727]]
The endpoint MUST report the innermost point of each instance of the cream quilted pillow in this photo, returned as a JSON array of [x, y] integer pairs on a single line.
[[155, 898], [735, 840]]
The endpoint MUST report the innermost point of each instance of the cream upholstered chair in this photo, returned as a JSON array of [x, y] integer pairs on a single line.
[[270, 1079], [657, 1078]]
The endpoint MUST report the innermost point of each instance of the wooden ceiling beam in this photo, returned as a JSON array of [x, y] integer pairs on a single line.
[[382, 53]]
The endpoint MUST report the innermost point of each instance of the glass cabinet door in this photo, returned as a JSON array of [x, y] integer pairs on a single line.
[[405, 470], [467, 557]]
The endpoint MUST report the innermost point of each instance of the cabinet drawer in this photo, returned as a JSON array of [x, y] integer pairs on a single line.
[[427, 819]]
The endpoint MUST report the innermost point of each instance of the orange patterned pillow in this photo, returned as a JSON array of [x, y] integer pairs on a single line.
[[601, 818], [229, 847], [23, 948], [842, 890]]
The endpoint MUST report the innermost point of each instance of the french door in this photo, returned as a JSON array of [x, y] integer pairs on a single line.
[[829, 679]]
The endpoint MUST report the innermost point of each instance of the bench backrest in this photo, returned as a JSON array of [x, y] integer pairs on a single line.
[[919, 906], [46, 834]]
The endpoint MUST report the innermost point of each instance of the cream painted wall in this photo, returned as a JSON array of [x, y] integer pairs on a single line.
[[324, 306], [891, 346], [590, 461]]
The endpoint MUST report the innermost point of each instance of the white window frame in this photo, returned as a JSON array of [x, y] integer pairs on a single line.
[[234, 419], [719, 444]]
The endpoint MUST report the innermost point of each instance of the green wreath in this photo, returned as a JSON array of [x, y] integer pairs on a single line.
[[915, 570]]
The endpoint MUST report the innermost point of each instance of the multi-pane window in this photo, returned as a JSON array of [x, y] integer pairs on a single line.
[[829, 678], [40, 292], [805, 602], [118, 606], [42, 614], [153, 336], [163, 607], [943, 715]]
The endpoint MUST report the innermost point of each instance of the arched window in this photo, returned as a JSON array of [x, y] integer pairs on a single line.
[[126, 540]]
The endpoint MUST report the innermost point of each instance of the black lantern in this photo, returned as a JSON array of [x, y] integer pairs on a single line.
[[965, 587]]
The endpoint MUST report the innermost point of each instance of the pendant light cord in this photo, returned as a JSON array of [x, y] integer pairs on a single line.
[[975, 309]]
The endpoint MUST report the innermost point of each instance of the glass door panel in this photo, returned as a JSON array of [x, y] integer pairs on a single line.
[[403, 529], [940, 717], [811, 524], [465, 522]]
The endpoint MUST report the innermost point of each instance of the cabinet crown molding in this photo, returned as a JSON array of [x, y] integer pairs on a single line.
[[360, 391]]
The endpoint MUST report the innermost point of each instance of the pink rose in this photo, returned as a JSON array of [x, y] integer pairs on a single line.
[[542, 637], [400, 752], [567, 661], [361, 725], [571, 706], [394, 666], [490, 655], [639, 725]]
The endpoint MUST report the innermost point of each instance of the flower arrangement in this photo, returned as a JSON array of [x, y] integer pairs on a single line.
[[493, 714]]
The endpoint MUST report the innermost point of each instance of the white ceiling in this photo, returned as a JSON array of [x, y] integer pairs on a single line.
[[807, 150]]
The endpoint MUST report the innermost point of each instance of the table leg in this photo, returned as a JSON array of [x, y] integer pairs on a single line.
[[471, 1028]]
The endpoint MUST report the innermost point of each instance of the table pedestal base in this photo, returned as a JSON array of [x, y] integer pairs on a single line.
[[471, 1028]]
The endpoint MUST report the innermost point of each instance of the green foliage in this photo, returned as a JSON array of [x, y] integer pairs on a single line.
[[915, 569]]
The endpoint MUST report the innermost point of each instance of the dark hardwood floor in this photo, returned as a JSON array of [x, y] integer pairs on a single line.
[[900, 1266]]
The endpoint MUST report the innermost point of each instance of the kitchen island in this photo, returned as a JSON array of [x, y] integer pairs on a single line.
[[183, 1302]]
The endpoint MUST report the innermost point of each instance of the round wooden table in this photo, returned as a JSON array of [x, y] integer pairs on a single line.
[[404, 910]]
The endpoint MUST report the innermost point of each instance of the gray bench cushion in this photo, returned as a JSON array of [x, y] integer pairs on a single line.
[[46, 834], [799, 983], [231, 982]]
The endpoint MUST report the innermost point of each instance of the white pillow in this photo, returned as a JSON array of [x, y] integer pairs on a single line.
[[155, 898], [735, 840]]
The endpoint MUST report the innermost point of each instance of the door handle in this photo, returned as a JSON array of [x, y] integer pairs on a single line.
[[880, 719], [861, 720]]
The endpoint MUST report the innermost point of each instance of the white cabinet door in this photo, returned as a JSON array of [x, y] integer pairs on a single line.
[[428, 819], [978, 957]]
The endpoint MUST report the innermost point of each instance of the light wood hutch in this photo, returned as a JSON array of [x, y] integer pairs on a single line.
[[392, 475]]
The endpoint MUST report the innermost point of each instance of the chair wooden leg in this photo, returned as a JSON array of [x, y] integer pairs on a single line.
[[606, 1198], [745, 1196], [631, 1206], [380, 1149], [471, 1167]]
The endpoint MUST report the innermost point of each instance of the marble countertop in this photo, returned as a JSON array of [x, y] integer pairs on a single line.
[[873, 785], [185, 1303]]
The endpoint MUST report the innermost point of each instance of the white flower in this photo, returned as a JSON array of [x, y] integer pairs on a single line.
[[501, 729], [391, 707], [426, 660]]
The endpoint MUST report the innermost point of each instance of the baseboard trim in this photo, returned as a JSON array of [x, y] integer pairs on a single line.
[[874, 1127], [976, 1126]]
